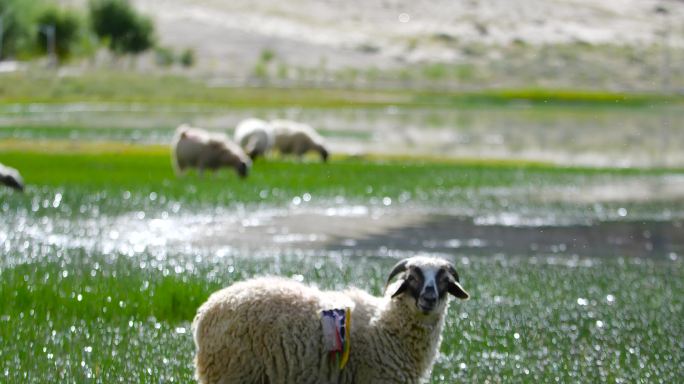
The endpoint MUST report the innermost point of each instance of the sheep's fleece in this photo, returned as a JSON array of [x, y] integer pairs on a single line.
[[268, 330], [296, 138], [255, 136], [197, 148]]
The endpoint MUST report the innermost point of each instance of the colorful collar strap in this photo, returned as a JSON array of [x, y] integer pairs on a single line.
[[336, 332]]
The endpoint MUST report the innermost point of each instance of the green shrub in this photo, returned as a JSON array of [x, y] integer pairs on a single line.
[[67, 25], [266, 55], [17, 27], [260, 70], [125, 30], [187, 58]]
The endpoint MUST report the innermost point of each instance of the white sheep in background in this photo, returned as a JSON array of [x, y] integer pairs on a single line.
[[11, 177], [255, 136], [269, 330], [296, 138], [197, 148]]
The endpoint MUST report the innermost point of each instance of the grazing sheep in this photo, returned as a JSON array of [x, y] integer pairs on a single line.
[[255, 136], [11, 177], [296, 138], [197, 148], [272, 330]]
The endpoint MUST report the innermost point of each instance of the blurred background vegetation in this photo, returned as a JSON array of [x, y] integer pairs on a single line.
[[125, 35], [77, 32]]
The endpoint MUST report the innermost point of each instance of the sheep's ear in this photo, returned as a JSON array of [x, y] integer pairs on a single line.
[[452, 271], [455, 289], [401, 289], [397, 269]]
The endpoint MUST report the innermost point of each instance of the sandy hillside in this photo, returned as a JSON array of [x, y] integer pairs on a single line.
[[359, 32], [229, 36]]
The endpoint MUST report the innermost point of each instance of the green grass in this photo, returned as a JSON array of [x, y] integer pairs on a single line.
[[553, 97], [99, 174], [126, 87], [82, 313]]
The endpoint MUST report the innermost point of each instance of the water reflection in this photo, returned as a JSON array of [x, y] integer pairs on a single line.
[[339, 230]]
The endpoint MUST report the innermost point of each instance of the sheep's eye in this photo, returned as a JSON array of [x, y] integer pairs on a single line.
[[410, 277]]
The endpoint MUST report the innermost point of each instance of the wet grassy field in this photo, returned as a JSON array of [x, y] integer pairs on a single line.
[[107, 255], [121, 318], [80, 304]]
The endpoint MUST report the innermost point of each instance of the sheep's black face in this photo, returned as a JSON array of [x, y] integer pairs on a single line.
[[241, 165], [428, 283], [253, 154], [12, 182], [426, 286], [242, 169]]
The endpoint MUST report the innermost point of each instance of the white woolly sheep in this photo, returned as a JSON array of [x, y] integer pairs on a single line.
[[11, 177], [255, 136], [197, 148], [270, 330], [296, 138]]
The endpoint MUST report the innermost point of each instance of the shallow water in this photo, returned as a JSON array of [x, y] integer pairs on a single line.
[[339, 231]]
